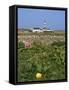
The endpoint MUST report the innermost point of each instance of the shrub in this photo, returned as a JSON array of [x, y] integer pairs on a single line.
[[20, 45]]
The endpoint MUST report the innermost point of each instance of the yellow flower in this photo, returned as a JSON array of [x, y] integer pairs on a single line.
[[38, 75]]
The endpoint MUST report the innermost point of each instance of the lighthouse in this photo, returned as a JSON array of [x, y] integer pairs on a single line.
[[44, 25]]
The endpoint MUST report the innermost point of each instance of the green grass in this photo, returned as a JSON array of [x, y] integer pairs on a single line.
[[46, 59]]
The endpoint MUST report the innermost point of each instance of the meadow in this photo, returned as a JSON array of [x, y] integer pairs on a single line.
[[44, 54]]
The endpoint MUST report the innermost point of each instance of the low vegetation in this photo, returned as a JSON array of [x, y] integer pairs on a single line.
[[47, 59]]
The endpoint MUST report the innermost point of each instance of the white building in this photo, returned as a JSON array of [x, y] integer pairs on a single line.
[[37, 30], [40, 30]]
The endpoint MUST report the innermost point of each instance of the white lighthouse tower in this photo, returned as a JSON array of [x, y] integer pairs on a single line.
[[44, 26]]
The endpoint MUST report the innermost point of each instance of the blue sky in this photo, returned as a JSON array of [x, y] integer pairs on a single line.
[[30, 18]]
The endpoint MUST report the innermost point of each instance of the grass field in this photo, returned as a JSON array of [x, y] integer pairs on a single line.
[[45, 55]]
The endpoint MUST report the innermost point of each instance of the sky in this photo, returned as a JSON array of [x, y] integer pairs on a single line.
[[30, 18]]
